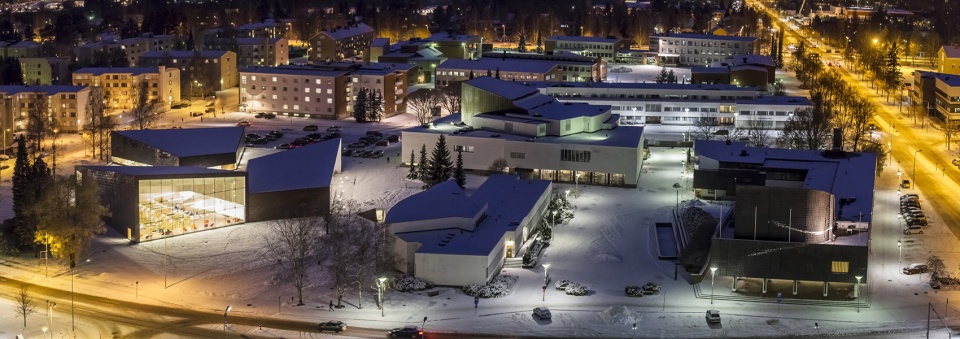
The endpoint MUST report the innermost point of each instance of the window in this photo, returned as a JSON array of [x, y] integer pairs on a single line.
[[465, 149], [841, 267], [574, 155], [517, 155], [329, 100]]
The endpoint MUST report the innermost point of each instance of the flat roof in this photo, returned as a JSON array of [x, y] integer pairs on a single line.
[[48, 89], [848, 176], [445, 37], [349, 31], [777, 100], [636, 85], [951, 80], [556, 110], [706, 37], [382, 68], [256, 41], [295, 70], [508, 200], [189, 142], [182, 54], [310, 166], [113, 70], [162, 170], [504, 65], [712, 70], [509, 90], [584, 39], [617, 137]]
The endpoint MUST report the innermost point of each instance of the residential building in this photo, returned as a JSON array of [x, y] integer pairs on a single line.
[[800, 215], [267, 29], [538, 136], [680, 104], [341, 43], [208, 70], [698, 49], [453, 46], [948, 59], [586, 46], [119, 83], [322, 91], [378, 47], [453, 70], [132, 48], [66, 105], [923, 91], [946, 101], [574, 67], [45, 71], [22, 49], [447, 237], [256, 51], [424, 60]]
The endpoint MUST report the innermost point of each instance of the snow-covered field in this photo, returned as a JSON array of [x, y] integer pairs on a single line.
[[609, 244]]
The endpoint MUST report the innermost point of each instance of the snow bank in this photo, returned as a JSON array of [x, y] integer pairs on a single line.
[[620, 315]]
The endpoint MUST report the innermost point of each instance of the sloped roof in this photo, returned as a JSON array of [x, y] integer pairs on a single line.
[[310, 166], [584, 39], [189, 142], [444, 200], [951, 51], [507, 89], [48, 89], [182, 54], [349, 31], [504, 65]]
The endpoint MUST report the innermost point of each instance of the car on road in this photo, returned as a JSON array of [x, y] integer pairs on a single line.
[[334, 326], [915, 269], [905, 184], [713, 317], [284, 146], [334, 135], [260, 115], [912, 230], [366, 154], [244, 123], [346, 152], [311, 128], [541, 313], [409, 331], [383, 143], [376, 154], [315, 136], [210, 110]]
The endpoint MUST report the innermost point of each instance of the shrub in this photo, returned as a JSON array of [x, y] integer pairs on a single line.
[[408, 283], [500, 286], [576, 289], [633, 291], [562, 284]]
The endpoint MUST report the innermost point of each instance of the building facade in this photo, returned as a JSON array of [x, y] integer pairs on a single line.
[[119, 84], [132, 48], [698, 49], [22, 49], [45, 71], [295, 91], [948, 60], [209, 70], [587, 46], [64, 104], [341, 43], [575, 68], [454, 70], [253, 52]]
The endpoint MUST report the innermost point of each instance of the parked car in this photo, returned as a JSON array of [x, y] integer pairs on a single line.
[[916, 215], [913, 204], [377, 133], [260, 115], [333, 129], [315, 136], [179, 105], [650, 288], [335, 326], [346, 152], [356, 146], [409, 331], [393, 138], [259, 141], [713, 317], [955, 162], [377, 154], [310, 128], [910, 230], [300, 142], [252, 135], [244, 123], [905, 184], [210, 110], [383, 143], [910, 221], [334, 135], [276, 133], [541, 313], [196, 114], [284, 146], [270, 116], [366, 154], [915, 269], [909, 195]]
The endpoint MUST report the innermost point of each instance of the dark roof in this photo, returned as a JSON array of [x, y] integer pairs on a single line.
[[182, 54], [505, 65], [189, 142], [159, 170], [708, 37], [310, 166], [48, 89], [130, 70]]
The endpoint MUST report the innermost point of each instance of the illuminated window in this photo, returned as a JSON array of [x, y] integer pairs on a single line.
[[841, 267]]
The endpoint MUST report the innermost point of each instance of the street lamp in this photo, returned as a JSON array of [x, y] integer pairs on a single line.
[[225, 318], [900, 258], [545, 268], [713, 274], [380, 286], [634, 330], [856, 291], [576, 184], [914, 175]]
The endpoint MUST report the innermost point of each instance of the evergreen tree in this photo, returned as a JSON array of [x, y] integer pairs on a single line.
[[522, 44], [440, 168], [662, 77], [671, 77], [360, 106], [22, 190], [539, 44], [413, 169], [379, 106], [458, 174], [773, 49], [489, 73], [498, 73], [422, 164], [780, 50], [892, 69], [371, 103], [471, 74]]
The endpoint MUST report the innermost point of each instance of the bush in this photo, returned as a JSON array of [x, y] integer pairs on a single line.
[[408, 283], [562, 284], [633, 291], [700, 227], [500, 286], [576, 289]]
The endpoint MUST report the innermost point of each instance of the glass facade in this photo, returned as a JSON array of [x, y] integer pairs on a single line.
[[565, 176], [170, 207]]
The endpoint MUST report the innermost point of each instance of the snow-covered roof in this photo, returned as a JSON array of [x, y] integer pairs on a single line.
[[183, 54], [951, 80], [189, 142], [707, 37], [349, 31], [48, 89], [713, 70], [777, 100], [848, 176], [382, 68], [295, 70], [141, 171], [638, 85], [25, 44], [257, 41], [441, 37], [584, 39], [508, 200], [630, 137], [556, 110], [117, 70], [951, 51], [510, 90], [504, 65], [310, 166], [750, 59]]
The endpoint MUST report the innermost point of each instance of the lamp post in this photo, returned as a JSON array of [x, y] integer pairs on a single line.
[[634, 330], [890, 151], [380, 286], [225, 318], [576, 185], [900, 258], [856, 291], [73, 322], [713, 274], [553, 217], [914, 175], [545, 268], [51, 305]]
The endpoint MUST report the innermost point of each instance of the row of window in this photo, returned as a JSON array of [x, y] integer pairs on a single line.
[[574, 155], [765, 113], [720, 44], [648, 96], [580, 45], [295, 107]]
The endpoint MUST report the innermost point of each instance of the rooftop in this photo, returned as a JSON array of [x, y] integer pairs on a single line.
[[510, 90], [776, 100], [750, 59], [310, 166], [161, 170], [848, 176], [48, 89], [951, 80], [508, 200], [637, 85], [504, 65], [257, 41], [349, 31], [707, 37], [182, 54], [115, 70], [188, 142], [24, 44], [584, 39], [446, 37], [951, 51], [561, 57], [620, 136], [382, 68], [295, 70]]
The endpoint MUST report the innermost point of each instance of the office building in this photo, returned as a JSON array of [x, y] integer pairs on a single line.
[[698, 49], [587, 46]]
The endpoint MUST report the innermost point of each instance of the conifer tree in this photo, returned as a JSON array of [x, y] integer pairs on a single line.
[[458, 174], [360, 106], [539, 44], [498, 73], [440, 168], [413, 169], [522, 45], [471, 74], [422, 164], [22, 189], [489, 73]]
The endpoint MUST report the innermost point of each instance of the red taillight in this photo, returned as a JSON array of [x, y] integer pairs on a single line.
[[421, 332]]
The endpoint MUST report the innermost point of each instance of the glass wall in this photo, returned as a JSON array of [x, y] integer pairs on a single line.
[[176, 206]]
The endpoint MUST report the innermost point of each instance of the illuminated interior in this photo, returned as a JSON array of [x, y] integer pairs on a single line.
[[169, 207]]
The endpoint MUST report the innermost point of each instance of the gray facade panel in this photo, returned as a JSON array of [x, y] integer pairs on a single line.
[[783, 214], [789, 261], [288, 204], [133, 150]]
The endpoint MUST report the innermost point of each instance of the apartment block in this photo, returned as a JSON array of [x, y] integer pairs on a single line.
[[948, 59], [119, 83], [267, 29], [66, 105], [698, 49], [389, 80], [207, 70], [45, 71], [132, 48], [586, 45], [23, 49], [341, 43], [253, 52], [453, 70]]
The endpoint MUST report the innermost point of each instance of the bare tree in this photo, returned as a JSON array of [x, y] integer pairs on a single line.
[[704, 128], [757, 133], [499, 165], [25, 305], [422, 103], [451, 97], [144, 109], [99, 124], [809, 127], [861, 111], [293, 244], [341, 224], [40, 123]]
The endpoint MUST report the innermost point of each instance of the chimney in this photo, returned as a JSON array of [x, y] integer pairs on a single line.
[[837, 139]]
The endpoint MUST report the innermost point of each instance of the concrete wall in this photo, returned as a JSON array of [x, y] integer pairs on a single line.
[[452, 270]]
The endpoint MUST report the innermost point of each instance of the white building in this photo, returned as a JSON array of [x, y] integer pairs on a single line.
[[698, 49], [679, 104], [449, 238], [538, 136]]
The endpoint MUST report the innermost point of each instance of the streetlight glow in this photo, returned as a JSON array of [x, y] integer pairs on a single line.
[[713, 274]]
